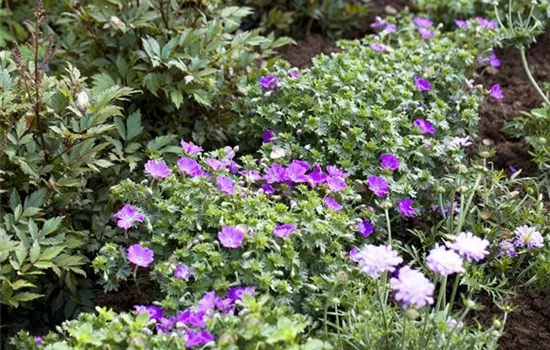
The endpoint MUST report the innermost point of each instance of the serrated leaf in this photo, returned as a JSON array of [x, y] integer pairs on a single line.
[[50, 253], [133, 125], [34, 252], [51, 225], [177, 97]]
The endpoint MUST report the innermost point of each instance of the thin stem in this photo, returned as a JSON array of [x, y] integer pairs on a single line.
[[441, 297], [530, 76], [135, 279], [404, 336], [468, 204], [388, 224], [382, 308], [453, 293]]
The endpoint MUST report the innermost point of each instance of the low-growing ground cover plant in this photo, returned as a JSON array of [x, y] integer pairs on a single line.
[[398, 104]]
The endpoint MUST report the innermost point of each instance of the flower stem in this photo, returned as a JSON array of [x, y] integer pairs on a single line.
[[388, 224], [135, 279], [382, 308], [453, 293], [441, 297], [404, 332], [530, 76]]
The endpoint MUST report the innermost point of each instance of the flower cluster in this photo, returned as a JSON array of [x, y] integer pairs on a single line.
[[191, 323], [524, 237]]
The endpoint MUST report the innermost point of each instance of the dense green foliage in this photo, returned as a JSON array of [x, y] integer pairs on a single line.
[[350, 211]]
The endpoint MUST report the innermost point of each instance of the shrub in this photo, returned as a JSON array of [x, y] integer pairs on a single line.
[[58, 139], [185, 56], [257, 325], [398, 94]]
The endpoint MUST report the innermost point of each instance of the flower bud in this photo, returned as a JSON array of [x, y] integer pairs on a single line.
[[386, 205], [470, 303], [335, 301], [462, 189], [82, 101], [117, 24], [342, 276], [412, 314], [440, 189], [542, 140], [497, 323]]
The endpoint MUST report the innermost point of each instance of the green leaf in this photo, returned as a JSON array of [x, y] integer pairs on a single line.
[[21, 284], [51, 225], [177, 97], [26, 296], [34, 252], [133, 125], [51, 253]]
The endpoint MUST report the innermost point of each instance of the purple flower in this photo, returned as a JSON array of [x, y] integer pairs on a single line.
[[452, 323], [334, 171], [155, 312], [354, 255], [38, 340], [496, 92], [268, 189], [378, 185], [267, 136], [215, 164], [378, 22], [190, 147], [378, 47], [297, 171], [225, 184], [207, 302], [425, 33], [251, 175], [461, 23], [529, 237], [222, 304], [365, 228], [469, 246], [405, 207], [375, 260], [508, 249], [197, 338], [425, 126], [231, 237], [190, 167], [421, 22], [166, 324], [485, 23], [127, 216], [412, 288], [276, 173], [191, 318], [236, 293], [284, 231], [183, 272], [294, 73], [443, 261], [270, 82], [493, 60], [157, 169], [140, 256], [422, 84], [332, 204], [390, 28], [389, 161], [317, 177], [336, 184]]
